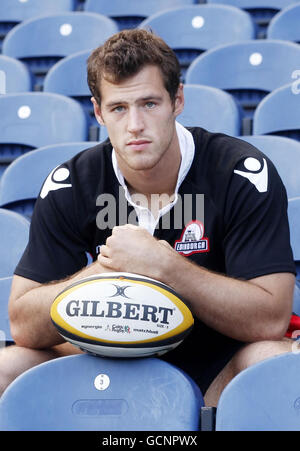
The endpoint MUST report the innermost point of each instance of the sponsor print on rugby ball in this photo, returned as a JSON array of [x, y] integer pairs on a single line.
[[121, 315]]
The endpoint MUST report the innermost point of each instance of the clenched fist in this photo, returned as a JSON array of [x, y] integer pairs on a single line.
[[132, 249]]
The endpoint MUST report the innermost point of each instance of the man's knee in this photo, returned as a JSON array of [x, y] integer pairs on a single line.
[[14, 360], [256, 352]]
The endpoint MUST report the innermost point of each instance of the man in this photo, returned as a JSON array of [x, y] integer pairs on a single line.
[[237, 277]]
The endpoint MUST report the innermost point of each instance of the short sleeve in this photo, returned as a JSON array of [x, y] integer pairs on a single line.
[[55, 248], [256, 236]]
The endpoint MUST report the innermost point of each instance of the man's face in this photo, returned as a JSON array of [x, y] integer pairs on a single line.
[[140, 118]]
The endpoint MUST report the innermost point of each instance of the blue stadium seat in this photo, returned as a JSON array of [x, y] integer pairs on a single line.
[[278, 113], [36, 119], [14, 76], [191, 30], [13, 12], [262, 11], [294, 220], [5, 334], [249, 70], [130, 14], [285, 24], [19, 192], [296, 301], [68, 77], [14, 232], [210, 108], [42, 41], [285, 154], [84, 393], [264, 397]]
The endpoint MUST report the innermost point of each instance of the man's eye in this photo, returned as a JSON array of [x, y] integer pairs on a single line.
[[150, 105], [118, 109]]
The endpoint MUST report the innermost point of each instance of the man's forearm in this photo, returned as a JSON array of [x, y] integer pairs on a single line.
[[244, 310], [30, 321]]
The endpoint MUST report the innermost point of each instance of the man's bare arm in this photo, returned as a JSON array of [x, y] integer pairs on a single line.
[[29, 308]]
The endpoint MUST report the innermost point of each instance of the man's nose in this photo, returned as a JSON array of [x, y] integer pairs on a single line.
[[135, 121]]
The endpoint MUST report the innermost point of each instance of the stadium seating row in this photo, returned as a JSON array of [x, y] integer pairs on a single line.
[[35, 119], [148, 395], [190, 30], [129, 15], [248, 70]]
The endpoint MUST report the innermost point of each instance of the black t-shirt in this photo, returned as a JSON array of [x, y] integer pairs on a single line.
[[241, 231]]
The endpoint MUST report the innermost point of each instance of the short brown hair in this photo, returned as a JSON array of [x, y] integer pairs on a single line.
[[125, 53]]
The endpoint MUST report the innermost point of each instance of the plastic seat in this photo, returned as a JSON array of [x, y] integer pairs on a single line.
[[262, 11], [294, 220], [5, 334], [248, 70], [18, 192], [85, 392], [42, 41], [14, 76], [36, 119], [264, 397], [130, 14], [68, 77], [278, 113], [13, 12], [210, 108], [285, 154], [191, 30], [285, 24], [14, 231]]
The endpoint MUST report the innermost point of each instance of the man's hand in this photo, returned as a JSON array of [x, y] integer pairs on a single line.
[[132, 249]]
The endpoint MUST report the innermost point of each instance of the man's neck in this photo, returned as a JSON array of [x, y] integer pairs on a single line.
[[154, 188]]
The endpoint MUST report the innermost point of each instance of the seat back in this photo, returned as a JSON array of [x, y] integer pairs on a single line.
[[14, 76], [84, 392], [285, 154], [130, 14], [14, 232], [13, 12], [294, 221], [285, 24], [278, 113], [248, 70], [262, 11], [264, 397], [5, 334], [42, 41], [18, 192], [68, 77], [36, 119], [210, 108], [191, 30]]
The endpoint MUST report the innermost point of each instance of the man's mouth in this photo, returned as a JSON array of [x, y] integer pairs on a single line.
[[138, 144]]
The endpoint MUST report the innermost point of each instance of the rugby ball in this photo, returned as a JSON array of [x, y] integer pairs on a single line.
[[121, 315]]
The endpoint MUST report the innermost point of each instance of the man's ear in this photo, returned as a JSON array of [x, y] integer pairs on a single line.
[[97, 111], [179, 100]]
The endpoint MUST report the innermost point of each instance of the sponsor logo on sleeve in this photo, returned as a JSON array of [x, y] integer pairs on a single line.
[[54, 181], [256, 173]]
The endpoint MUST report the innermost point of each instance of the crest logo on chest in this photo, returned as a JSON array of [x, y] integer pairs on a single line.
[[192, 239]]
